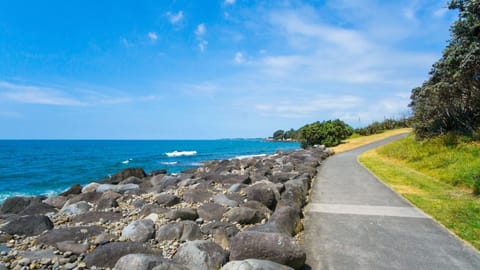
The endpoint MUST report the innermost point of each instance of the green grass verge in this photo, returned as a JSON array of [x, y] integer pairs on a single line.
[[435, 176]]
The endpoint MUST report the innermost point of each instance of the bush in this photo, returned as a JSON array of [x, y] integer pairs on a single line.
[[328, 133]]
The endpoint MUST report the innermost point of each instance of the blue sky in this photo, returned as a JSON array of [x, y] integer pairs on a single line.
[[209, 69]]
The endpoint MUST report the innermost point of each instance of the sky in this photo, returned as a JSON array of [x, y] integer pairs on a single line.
[[166, 69]]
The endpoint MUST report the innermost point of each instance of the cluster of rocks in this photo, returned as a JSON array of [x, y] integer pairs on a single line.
[[230, 215]]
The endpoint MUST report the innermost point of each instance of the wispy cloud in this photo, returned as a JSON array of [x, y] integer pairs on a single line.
[[63, 95], [152, 36], [200, 32], [229, 2], [239, 58], [10, 114], [175, 18]]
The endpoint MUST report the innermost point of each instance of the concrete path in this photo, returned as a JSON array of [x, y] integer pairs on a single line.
[[355, 222]]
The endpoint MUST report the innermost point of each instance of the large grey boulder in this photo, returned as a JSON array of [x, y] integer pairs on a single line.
[[140, 261], [166, 199], [107, 255], [117, 188], [139, 230], [196, 195], [276, 247], [71, 246], [182, 213], [73, 190], [264, 192], [221, 199], [229, 228], [76, 208], [96, 216], [56, 201], [285, 219], [15, 205], [211, 211], [28, 225], [201, 255], [254, 264], [73, 234], [242, 215], [37, 208], [183, 231]]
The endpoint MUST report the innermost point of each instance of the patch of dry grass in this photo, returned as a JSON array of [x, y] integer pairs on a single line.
[[350, 144]]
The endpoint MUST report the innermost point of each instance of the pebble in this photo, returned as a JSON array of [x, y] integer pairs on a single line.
[[70, 266]]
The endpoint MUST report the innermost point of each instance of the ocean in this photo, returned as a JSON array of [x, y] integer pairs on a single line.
[[48, 167]]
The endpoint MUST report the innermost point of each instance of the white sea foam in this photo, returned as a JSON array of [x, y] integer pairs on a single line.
[[249, 156], [169, 163], [181, 153], [127, 161]]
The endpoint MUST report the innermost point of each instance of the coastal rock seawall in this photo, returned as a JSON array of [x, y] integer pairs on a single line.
[[229, 214]]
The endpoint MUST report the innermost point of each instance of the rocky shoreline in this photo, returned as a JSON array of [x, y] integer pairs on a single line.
[[231, 214]]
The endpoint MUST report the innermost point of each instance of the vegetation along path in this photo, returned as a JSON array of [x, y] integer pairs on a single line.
[[355, 222]]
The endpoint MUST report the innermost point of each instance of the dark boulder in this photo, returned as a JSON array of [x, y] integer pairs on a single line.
[[229, 228], [124, 174], [73, 190], [15, 205], [211, 211], [182, 213], [166, 199], [28, 225], [201, 255], [242, 215], [285, 219], [182, 231], [139, 230], [276, 247], [107, 255], [197, 195], [94, 216], [264, 192], [37, 208], [74, 234]]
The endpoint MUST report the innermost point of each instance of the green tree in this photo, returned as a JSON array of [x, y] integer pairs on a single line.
[[328, 133], [449, 101], [278, 135], [290, 134]]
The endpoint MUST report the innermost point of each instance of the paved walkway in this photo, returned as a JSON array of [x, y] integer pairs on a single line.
[[355, 222]]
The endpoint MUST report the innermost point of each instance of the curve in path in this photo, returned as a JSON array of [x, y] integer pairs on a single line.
[[354, 221]]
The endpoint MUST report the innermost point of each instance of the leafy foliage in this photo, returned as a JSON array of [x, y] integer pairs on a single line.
[[379, 127], [278, 135], [328, 133], [449, 101]]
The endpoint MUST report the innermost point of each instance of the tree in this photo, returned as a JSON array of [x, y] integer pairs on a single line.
[[278, 135], [449, 101], [290, 134], [328, 133]]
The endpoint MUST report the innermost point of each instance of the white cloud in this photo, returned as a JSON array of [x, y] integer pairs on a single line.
[[152, 36], [440, 12], [202, 45], [175, 18], [200, 30], [125, 42], [36, 95], [229, 2], [239, 58]]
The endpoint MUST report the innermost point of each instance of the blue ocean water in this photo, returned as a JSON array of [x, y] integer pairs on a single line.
[[47, 167]]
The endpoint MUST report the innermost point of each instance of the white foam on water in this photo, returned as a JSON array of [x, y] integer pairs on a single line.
[[169, 163], [249, 156], [127, 161], [181, 153]]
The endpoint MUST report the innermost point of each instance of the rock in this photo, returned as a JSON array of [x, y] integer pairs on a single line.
[[76, 208], [15, 205], [211, 211], [117, 188], [143, 262], [221, 199], [285, 219], [264, 192], [2, 266], [182, 231], [196, 195], [73, 190], [73, 234], [170, 266], [262, 210], [107, 255], [139, 230], [276, 247], [236, 179], [157, 172], [153, 209], [139, 203], [182, 213], [242, 215], [201, 255], [91, 197], [131, 180], [229, 228], [254, 264], [56, 201], [164, 181], [90, 187], [37, 208], [124, 174], [108, 200], [236, 187], [28, 225], [94, 216], [167, 200], [70, 246]]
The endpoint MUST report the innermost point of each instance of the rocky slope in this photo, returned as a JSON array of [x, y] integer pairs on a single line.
[[230, 214]]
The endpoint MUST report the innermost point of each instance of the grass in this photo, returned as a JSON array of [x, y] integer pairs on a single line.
[[437, 176], [356, 141]]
